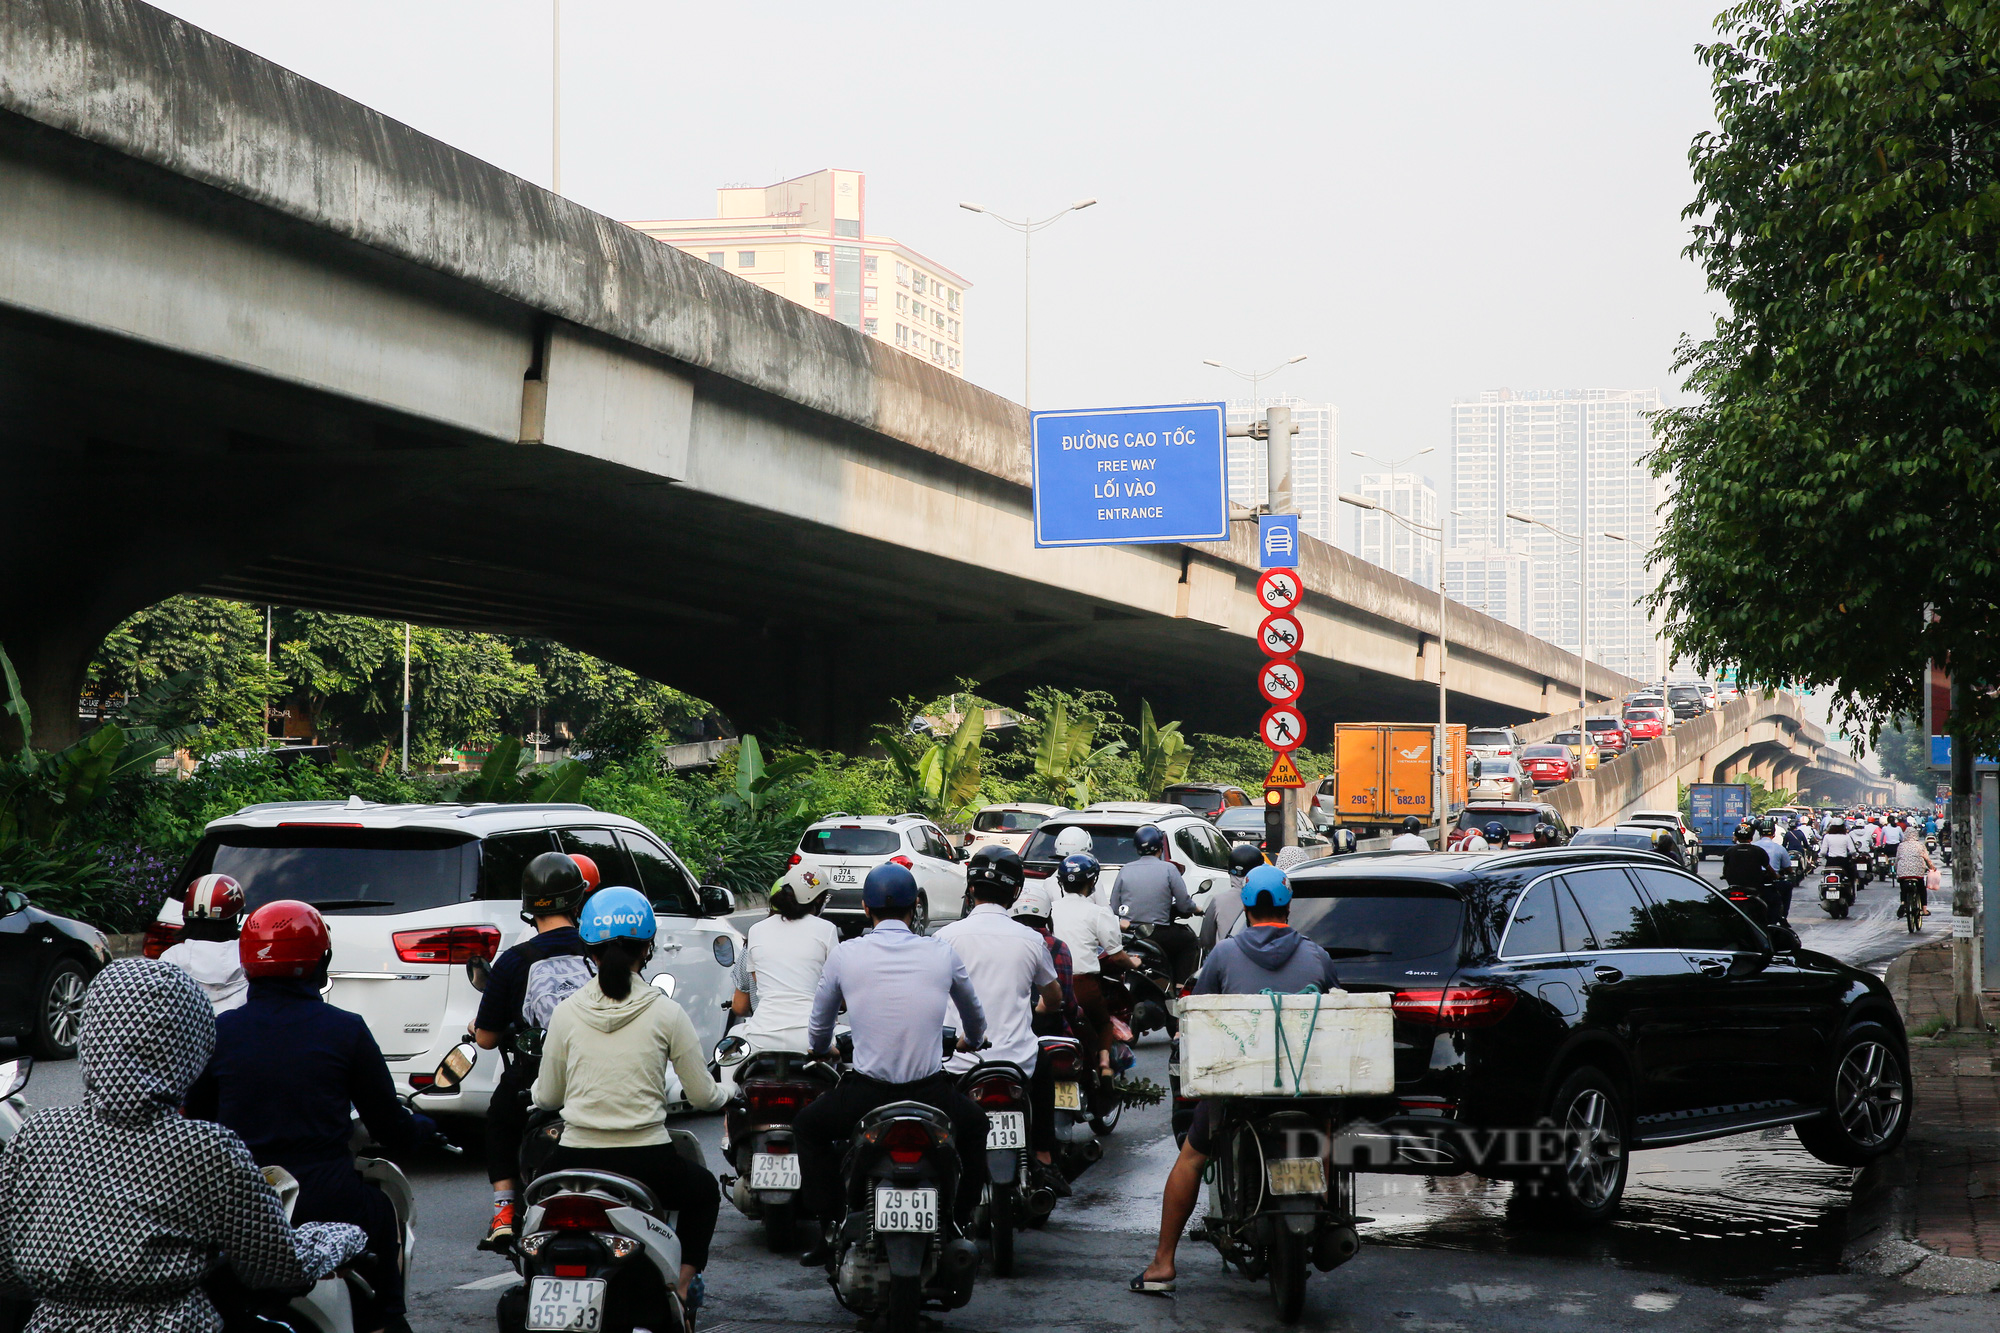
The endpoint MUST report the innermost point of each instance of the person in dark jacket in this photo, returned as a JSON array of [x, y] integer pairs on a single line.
[[1267, 954], [287, 1066], [112, 1213]]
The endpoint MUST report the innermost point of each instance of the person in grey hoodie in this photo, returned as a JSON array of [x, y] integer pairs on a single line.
[[1267, 954]]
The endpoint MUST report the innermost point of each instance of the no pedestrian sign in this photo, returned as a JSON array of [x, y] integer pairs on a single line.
[[1131, 475], [1283, 729]]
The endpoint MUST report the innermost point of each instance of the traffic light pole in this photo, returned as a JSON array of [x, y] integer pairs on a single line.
[[1278, 428]]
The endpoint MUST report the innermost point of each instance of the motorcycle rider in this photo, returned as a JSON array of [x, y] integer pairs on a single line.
[[208, 951], [1266, 956], [1224, 908], [1780, 890], [113, 1211], [896, 987], [1799, 847], [1093, 936], [1746, 865], [1545, 833], [1011, 967], [604, 1066], [1150, 891], [286, 1069], [553, 886], [779, 968], [1411, 839]]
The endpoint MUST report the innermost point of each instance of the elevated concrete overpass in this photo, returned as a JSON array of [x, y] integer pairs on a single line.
[[260, 341], [1762, 733]]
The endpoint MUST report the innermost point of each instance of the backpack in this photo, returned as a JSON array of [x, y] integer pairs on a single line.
[[551, 981]]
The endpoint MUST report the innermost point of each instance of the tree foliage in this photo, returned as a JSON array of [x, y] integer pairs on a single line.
[[1164, 754], [1839, 469]]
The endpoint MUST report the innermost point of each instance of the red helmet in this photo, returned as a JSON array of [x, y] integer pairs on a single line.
[[591, 877], [213, 898], [284, 939]]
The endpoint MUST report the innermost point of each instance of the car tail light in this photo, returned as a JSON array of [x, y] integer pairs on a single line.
[[160, 937], [422, 1081], [768, 1099], [1454, 1006], [904, 862], [1037, 872], [796, 858], [997, 1093], [575, 1212], [907, 1142], [1505, 753], [452, 945]]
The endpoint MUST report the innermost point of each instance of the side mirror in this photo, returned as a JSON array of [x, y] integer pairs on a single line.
[[1783, 938], [451, 1072], [1473, 767], [478, 971], [12, 901], [14, 1075], [716, 900], [664, 983], [731, 1051]]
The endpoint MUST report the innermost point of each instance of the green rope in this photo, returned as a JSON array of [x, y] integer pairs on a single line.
[[1281, 1054]]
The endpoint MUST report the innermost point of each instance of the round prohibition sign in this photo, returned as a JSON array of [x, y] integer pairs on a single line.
[[1281, 681], [1279, 590], [1283, 728], [1280, 634]]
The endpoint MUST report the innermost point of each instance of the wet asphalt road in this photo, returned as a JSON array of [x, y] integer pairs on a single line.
[[1745, 1232]]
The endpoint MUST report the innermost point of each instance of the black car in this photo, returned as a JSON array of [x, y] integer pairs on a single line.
[[46, 963], [1602, 993], [1686, 701]]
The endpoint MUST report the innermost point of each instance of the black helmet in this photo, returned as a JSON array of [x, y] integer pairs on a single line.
[[1767, 826], [1495, 833], [1078, 873], [1343, 841], [1244, 858], [1545, 834], [1411, 824], [1745, 831], [997, 865], [552, 885], [1149, 840]]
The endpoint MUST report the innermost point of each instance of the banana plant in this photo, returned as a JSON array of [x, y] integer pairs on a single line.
[[755, 780], [1164, 754], [1067, 768], [505, 778], [943, 777]]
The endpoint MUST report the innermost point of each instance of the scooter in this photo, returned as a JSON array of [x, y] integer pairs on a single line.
[[772, 1088], [1077, 1145], [898, 1248], [1150, 984], [1015, 1197], [1836, 892]]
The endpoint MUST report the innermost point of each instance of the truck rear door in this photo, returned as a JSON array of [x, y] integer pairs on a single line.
[[1410, 774], [1358, 772]]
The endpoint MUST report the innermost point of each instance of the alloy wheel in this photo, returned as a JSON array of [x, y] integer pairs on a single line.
[[1868, 1092], [1597, 1153], [64, 1009]]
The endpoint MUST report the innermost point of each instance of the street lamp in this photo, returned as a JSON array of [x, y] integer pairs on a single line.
[[1398, 463], [1436, 533], [1254, 375], [1028, 227], [555, 116], [1582, 598]]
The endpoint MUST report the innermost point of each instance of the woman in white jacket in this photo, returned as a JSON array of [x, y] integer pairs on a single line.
[[778, 973], [604, 1066]]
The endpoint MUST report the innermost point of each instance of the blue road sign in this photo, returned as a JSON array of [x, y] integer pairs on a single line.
[[1941, 756], [1278, 541], [1131, 474]]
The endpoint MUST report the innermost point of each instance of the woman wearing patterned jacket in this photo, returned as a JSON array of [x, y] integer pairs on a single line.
[[113, 1212]]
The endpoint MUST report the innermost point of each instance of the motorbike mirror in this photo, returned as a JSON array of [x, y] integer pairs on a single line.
[[665, 983], [731, 1051], [478, 971], [451, 1071], [14, 1075]]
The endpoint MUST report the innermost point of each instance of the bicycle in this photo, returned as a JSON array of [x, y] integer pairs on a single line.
[[1915, 893]]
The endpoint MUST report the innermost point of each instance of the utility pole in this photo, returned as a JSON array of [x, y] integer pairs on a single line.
[[1278, 430], [406, 698], [1965, 870]]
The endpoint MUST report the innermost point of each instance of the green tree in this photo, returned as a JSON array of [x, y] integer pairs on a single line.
[[1164, 754], [1837, 470], [1905, 752], [216, 647]]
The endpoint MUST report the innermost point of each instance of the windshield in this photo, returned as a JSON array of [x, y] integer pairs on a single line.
[[1567, 738], [1488, 738], [1680, 692], [1386, 921], [1642, 715], [1110, 844], [1007, 821], [1497, 768], [1197, 800], [367, 872], [1605, 837], [1514, 821], [850, 840], [1243, 819], [1601, 724], [1545, 752]]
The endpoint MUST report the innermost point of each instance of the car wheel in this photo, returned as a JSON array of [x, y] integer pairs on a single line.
[[59, 1011], [1868, 1106], [1584, 1188]]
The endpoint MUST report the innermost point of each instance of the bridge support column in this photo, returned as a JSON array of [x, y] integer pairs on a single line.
[[51, 645]]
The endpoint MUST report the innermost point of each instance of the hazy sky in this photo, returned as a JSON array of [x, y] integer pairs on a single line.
[[1426, 200]]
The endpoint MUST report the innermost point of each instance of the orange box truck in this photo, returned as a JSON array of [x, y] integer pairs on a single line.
[[1383, 772]]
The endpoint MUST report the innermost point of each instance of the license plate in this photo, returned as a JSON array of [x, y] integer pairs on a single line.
[[843, 875], [560, 1303], [1298, 1175], [774, 1171], [906, 1210], [1069, 1097], [1832, 895], [1006, 1129]]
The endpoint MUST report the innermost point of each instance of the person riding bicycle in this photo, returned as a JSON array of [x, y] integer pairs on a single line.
[[1913, 861], [1149, 891]]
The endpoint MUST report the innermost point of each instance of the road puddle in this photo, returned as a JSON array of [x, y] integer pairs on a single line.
[[1736, 1213]]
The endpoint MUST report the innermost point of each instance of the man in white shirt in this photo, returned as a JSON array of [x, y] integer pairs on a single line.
[[1092, 934], [1009, 964], [1411, 839]]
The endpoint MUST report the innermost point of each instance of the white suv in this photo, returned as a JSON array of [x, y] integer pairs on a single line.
[[1193, 844], [841, 849], [412, 893]]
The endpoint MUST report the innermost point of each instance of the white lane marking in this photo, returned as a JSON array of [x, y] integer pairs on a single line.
[[491, 1283]]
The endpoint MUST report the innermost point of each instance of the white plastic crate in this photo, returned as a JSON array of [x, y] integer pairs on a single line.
[[1230, 1045]]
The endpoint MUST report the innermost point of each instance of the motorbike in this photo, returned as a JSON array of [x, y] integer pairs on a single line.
[[772, 1087], [1149, 986], [1836, 892], [898, 1248], [1015, 1196], [1882, 863], [1277, 1205], [1077, 1146], [1102, 1102]]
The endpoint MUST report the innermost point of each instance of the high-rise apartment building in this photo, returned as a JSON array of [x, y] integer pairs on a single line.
[[807, 239], [1315, 462], [1381, 540], [1573, 458], [1489, 580]]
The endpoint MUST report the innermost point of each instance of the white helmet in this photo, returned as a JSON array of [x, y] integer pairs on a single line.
[[808, 886], [1033, 900], [1073, 840]]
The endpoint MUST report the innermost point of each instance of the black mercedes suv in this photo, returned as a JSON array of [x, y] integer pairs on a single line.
[[1604, 993]]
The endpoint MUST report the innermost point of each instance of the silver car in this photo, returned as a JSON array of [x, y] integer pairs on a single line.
[[1500, 780]]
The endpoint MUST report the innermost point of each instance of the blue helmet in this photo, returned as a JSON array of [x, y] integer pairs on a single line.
[[1149, 840], [1078, 873], [1495, 832], [616, 914], [889, 888], [1266, 887]]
